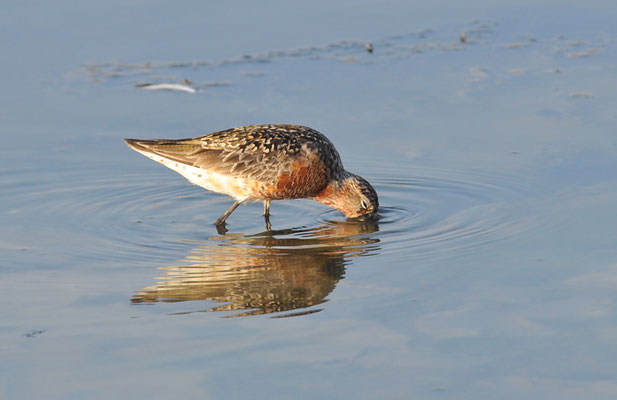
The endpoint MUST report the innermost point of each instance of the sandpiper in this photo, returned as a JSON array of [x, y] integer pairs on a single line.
[[265, 162]]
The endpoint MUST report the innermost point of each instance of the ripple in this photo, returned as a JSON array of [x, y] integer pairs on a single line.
[[153, 218], [427, 213], [90, 213], [149, 216], [436, 212]]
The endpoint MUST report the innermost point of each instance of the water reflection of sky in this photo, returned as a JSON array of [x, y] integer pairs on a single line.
[[490, 273]]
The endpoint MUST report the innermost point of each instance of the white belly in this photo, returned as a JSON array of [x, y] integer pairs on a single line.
[[231, 186]]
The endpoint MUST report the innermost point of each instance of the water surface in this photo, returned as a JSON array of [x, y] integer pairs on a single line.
[[490, 270]]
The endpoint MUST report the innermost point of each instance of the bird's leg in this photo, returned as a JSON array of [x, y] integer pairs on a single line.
[[267, 208], [222, 218], [267, 214]]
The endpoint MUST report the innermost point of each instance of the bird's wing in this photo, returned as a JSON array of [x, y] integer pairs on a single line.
[[230, 153]]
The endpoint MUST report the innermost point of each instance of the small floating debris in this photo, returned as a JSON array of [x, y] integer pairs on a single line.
[[554, 71], [33, 333], [214, 84], [178, 87], [182, 64], [580, 95], [575, 43], [516, 71], [582, 54], [516, 45]]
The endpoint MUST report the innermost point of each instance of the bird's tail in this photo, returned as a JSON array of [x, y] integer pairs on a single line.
[[182, 150]]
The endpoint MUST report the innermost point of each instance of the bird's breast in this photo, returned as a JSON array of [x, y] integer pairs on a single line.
[[301, 177]]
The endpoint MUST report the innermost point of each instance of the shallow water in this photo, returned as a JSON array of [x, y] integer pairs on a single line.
[[489, 271]]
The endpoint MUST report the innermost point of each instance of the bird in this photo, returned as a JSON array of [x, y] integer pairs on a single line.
[[264, 163]]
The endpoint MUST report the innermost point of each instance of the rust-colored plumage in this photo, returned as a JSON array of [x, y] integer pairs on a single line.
[[265, 162]]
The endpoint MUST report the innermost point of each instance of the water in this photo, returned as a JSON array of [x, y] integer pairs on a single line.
[[489, 273]]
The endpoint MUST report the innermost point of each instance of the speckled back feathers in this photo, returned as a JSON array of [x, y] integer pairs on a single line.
[[262, 143]]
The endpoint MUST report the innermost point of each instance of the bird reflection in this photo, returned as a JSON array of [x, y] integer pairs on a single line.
[[273, 271]]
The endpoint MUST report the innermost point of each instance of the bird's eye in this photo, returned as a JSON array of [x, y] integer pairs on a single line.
[[364, 204]]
